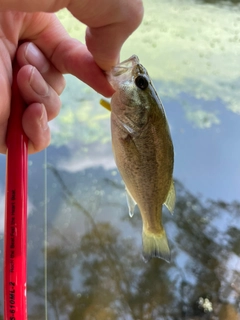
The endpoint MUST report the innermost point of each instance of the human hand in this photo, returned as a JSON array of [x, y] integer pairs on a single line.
[[60, 54]]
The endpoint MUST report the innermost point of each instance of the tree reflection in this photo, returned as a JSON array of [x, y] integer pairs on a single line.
[[102, 276]]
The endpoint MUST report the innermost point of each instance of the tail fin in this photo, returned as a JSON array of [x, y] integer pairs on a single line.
[[155, 245]]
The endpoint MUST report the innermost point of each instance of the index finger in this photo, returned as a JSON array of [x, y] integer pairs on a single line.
[[67, 55], [110, 23]]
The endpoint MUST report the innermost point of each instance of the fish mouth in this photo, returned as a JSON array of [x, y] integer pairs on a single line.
[[125, 66], [122, 71]]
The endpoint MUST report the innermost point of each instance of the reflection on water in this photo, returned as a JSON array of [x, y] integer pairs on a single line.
[[95, 269], [99, 274]]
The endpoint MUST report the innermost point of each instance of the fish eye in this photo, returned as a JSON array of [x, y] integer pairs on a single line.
[[141, 82]]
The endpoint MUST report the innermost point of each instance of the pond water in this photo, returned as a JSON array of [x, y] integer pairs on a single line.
[[94, 268]]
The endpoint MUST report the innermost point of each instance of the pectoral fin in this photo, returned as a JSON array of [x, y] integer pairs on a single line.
[[171, 198], [104, 103], [131, 203]]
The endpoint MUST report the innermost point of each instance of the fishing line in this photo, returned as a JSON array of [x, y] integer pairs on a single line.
[[45, 237]]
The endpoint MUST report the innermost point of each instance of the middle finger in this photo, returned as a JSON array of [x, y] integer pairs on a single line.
[[29, 54], [34, 88]]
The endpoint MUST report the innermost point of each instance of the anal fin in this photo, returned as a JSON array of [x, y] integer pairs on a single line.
[[131, 203]]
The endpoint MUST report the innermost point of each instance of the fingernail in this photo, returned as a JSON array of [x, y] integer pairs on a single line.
[[37, 83], [35, 57], [43, 120]]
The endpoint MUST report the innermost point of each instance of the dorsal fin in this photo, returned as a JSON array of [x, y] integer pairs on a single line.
[[171, 198]]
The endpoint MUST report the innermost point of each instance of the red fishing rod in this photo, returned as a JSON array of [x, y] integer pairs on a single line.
[[15, 232]]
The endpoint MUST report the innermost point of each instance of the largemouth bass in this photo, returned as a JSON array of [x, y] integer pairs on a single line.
[[143, 151]]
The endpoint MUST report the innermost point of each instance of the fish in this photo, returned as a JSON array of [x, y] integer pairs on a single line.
[[143, 151]]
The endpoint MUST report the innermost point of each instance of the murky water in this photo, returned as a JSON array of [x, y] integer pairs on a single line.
[[94, 266]]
